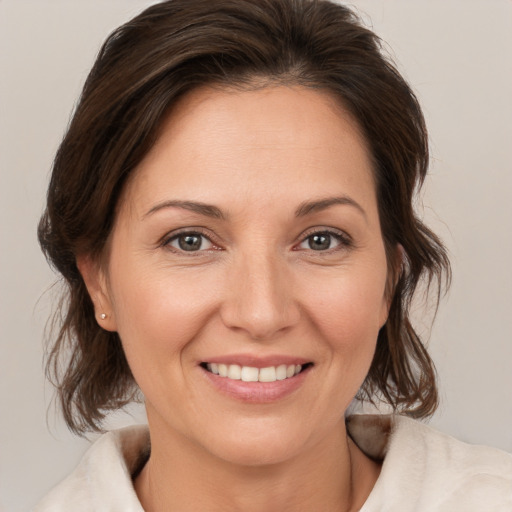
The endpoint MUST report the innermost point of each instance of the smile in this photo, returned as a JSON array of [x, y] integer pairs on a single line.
[[256, 380], [253, 374]]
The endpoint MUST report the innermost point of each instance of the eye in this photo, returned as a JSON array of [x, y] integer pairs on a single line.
[[190, 242], [323, 241]]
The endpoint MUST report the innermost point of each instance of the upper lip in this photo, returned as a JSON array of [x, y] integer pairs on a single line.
[[256, 361]]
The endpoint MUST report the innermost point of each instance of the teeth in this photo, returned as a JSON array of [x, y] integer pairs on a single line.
[[223, 370], [267, 374], [252, 374], [281, 372], [234, 372], [249, 374]]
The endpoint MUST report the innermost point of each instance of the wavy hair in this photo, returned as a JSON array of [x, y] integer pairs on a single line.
[[142, 70]]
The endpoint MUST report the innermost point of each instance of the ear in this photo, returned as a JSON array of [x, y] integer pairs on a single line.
[[396, 260], [95, 280]]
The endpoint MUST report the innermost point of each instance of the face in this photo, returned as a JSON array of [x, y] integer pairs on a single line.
[[248, 243]]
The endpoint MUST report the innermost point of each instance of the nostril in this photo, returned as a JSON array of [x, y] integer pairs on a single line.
[[259, 324], [259, 300]]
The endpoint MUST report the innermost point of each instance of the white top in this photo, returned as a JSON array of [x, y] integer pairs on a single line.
[[423, 471]]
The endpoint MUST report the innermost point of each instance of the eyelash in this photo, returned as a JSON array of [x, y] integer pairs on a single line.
[[344, 240], [166, 242]]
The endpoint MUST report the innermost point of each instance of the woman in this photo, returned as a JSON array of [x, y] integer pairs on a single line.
[[232, 210]]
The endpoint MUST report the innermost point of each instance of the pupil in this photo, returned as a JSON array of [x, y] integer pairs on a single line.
[[319, 242], [190, 242]]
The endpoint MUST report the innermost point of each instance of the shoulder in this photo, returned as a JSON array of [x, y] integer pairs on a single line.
[[426, 470], [103, 478]]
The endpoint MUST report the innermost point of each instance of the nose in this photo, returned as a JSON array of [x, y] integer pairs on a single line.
[[259, 298]]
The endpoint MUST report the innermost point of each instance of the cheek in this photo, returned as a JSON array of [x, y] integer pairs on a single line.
[[158, 310], [348, 312]]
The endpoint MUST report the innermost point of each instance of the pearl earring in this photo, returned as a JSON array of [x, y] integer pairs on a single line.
[[103, 316]]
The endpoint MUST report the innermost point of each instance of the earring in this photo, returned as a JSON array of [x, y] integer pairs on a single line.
[[103, 316]]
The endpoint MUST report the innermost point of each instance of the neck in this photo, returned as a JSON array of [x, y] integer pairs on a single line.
[[330, 476]]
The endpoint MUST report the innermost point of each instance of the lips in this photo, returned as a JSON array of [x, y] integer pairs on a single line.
[[256, 379], [253, 373]]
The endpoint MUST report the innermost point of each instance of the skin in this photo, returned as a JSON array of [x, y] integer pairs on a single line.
[[256, 286]]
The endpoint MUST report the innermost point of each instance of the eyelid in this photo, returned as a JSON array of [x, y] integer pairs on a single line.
[[343, 237], [192, 230]]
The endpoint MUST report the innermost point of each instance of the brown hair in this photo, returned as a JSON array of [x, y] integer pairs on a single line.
[[143, 68]]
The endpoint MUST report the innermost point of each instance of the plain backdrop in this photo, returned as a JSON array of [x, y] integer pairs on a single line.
[[457, 54]]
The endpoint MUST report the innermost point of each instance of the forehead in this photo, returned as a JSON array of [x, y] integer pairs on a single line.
[[271, 141]]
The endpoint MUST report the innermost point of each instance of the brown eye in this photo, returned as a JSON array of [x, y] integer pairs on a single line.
[[190, 242], [319, 241], [325, 241]]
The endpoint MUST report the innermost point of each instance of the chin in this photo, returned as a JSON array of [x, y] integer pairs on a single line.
[[264, 443], [252, 453]]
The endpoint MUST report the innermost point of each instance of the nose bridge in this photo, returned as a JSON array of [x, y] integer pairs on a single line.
[[260, 300]]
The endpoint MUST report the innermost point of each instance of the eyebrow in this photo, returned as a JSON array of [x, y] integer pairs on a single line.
[[201, 208], [322, 204], [209, 210]]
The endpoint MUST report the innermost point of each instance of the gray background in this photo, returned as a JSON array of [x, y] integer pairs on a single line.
[[457, 54]]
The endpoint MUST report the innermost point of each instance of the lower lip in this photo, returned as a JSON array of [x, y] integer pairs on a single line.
[[257, 392]]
